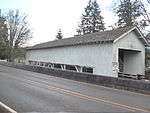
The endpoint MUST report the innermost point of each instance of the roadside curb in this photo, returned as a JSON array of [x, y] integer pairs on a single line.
[[6, 108]]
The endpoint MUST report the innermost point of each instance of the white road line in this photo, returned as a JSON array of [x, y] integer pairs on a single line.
[[7, 108]]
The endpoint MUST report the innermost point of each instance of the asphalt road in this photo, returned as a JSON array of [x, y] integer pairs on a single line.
[[26, 91]]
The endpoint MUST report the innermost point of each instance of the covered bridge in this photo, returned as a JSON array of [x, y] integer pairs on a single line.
[[107, 53]]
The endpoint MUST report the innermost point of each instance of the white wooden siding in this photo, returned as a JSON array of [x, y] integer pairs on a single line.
[[134, 63], [98, 56]]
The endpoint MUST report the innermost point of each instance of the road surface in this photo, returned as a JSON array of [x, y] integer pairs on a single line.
[[26, 91]]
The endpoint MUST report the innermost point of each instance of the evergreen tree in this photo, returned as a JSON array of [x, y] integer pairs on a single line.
[[3, 39], [97, 19], [86, 19], [59, 35], [146, 15], [128, 12], [91, 21], [132, 13]]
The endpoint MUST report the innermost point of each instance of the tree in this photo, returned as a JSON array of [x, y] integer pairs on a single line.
[[20, 54], [97, 19], [132, 13], [148, 37], [91, 21], [3, 39], [128, 12], [18, 31], [59, 35], [85, 26], [146, 15]]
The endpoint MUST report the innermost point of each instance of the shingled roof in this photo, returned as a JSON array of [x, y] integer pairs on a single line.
[[98, 37]]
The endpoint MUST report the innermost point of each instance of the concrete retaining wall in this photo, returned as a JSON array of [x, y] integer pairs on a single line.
[[119, 83]]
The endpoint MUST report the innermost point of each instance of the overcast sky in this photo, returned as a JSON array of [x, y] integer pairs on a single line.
[[47, 16]]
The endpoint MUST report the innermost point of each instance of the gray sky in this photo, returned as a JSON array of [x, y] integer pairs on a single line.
[[47, 16]]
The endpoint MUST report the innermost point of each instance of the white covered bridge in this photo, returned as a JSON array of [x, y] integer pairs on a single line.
[[108, 53]]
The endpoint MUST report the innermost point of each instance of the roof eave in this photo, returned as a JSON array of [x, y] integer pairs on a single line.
[[138, 31], [123, 35], [89, 43]]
